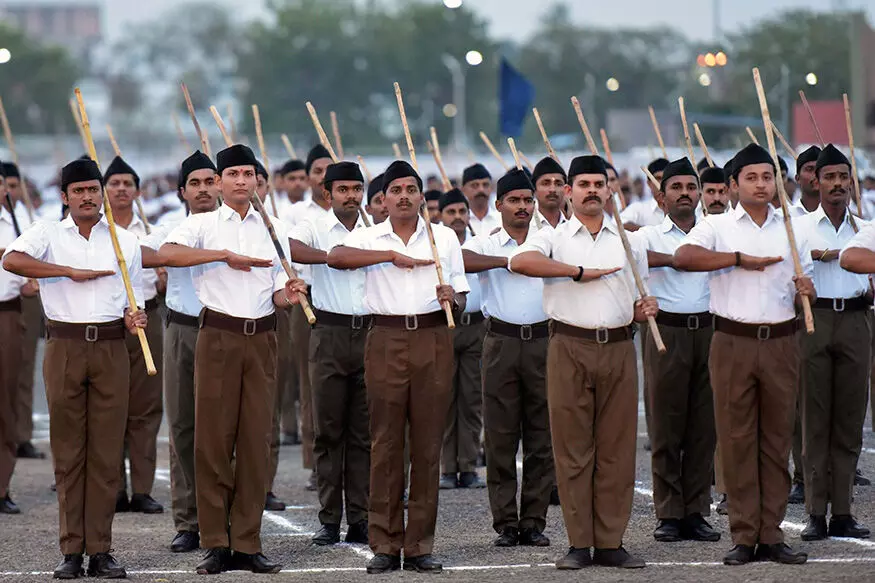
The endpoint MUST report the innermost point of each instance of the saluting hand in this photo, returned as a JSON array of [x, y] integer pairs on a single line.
[[646, 307], [294, 289], [134, 320], [594, 274], [245, 263], [805, 287], [88, 274], [405, 262], [752, 263]]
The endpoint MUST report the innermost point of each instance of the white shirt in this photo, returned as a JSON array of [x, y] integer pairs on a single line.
[[608, 302], [393, 291], [643, 213], [680, 292], [181, 296], [507, 296], [865, 239], [473, 301], [752, 297], [539, 221], [797, 209], [98, 300], [297, 213], [150, 276], [10, 284], [490, 222], [830, 280], [22, 217], [334, 290], [242, 294]]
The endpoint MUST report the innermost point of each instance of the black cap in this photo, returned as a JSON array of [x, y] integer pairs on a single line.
[[680, 167], [703, 163], [783, 164], [80, 171], [712, 176], [399, 169], [375, 187], [453, 196], [727, 171], [260, 170], [316, 153], [750, 154], [830, 156], [475, 172], [431, 195], [515, 179], [657, 165], [119, 166], [9, 170], [236, 155], [609, 166], [197, 161], [343, 171], [587, 165], [292, 166], [547, 166], [809, 155]]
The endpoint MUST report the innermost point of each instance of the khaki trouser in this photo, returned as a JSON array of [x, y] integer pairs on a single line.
[[835, 376], [11, 332], [285, 418], [409, 380], [592, 391], [32, 318], [465, 420], [235, 380], [300, 361], [755, 384]]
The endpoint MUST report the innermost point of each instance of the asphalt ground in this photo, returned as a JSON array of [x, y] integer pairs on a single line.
[[29, 544]]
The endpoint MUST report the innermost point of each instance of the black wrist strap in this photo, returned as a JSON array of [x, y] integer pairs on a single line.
[[738, 259], [579, 275]]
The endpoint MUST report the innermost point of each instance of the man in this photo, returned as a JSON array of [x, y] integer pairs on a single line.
[[86, 366], [464, 422], [754, 359], [200, 192], [549, 180], [715, 194], [432, 182], [592, 381], [294, 184], [337, 368], [646, 212], [836, 358], [261, 185], [477, 187], [234, 363], [376, 206], [731, 185], [145, 407], [408, 366], [514, 370], [432, 205], [805, 176], [681, 404]]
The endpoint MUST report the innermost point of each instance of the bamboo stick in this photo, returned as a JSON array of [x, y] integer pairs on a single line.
[[10, 141], [289, 149], [850, 127], [702, 145], [492, 149], [811, 117], [336, 130], [586, 133], [201, 134], [657, 132], [259, 134], [550, 151]]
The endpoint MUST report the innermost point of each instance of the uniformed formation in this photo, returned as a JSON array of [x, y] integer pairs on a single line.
[[539, 282]]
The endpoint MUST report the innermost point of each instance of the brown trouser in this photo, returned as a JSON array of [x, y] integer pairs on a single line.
[[755, 384], [796, 447], [179, 349], [835, 376], [87, 388], [300, 361], [719, 473], [234, 384], [284, 400], [682, 433], [342, 445], [145, 407], [464, 421], [11, 332], [32, 318], [592, 391], [644, 339], [514, 409], [409, 380]]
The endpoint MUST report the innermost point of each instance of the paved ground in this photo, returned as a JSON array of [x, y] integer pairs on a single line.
[[29, 551]]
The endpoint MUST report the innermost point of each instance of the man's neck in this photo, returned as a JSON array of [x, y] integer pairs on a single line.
[[480, 211], [123, 217], [684, 223], [404, 228], [553, 216], [85, 225], [518, 234], [757, 213], [810, 201], [320, 201], [461, 235], [241, 209], [347, 221], [593, 223], [296, 197], [835, 214]]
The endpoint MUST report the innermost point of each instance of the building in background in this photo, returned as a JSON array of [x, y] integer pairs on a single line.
[[75, 24]]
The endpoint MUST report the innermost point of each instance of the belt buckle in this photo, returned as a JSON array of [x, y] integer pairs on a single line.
[[764, 332], [411, 322], [838, 304], [602, 335], [358, 322], [249, 327], [91, 333], [526, 332], [692, 322], [466, 319]]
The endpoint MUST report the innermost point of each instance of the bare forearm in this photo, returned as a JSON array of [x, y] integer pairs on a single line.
[[307, 255], [695, 258], [280, 299], [477, 263], [351, 258], [173, 255], [26, 266], [657, 259], [631, 227], [534, 264], [858, 260], [151, 259]]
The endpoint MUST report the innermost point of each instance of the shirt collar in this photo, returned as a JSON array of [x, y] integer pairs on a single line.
[[385, 228], [819, 216], [226, 213], [741, 213], [68, 222], [330, 221], [667, 225], [607, 223]]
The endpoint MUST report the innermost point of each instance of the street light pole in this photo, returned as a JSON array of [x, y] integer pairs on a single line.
[[460, 124]]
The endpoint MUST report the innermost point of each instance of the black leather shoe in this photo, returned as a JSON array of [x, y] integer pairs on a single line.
[[847, 527], [782, 553], [647, 446], [357, 533], [216, 561], [290, 439], [723, 506], [383, 563], [7, 506], [185, 542], [271, 502], [471, 480], [145, 504], [422, 564], [554, 496], [256, 563], [509, 537], [311, 482], [815, 529], [575, 559], [27, 451], [859, 479], [122, 504], [617, 558], [104, 566], [70, 567], [529, 537], [739, 555], [695, 527], [668, 531], [448, 482], [797, 494], [329, 534]]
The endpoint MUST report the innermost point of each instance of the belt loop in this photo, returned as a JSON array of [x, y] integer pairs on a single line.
[[249, 327], [526, 332], [764, 332], [411, 322], [602, 336], [838, 304], [91, 333]]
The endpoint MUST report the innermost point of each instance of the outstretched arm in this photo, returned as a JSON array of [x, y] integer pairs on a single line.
[[26, 266]]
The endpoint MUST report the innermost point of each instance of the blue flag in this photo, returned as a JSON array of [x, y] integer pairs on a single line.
[[516, 95]]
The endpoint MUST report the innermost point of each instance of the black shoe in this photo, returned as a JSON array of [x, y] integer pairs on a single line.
[[422, 564], [329, 534], [311, 482], [695, 527], [357, 533], [185, 541], [448, 482], [529, 537], [481, 458], [271, 502], [739, 555], [847, 527], [145, 504], [617, 558], [122, 504], [70, 567], [471, 480], [383, 563], [217, 560], [782, 553], [575, 559], [7, 506], [647, 446], [509, 537], [797, 494], [256, 563], [668, 531], [554, 496], [859, 479], [27, 451], [53, 487], [290, 439], [815, 529], [723, 506], [104, 566]]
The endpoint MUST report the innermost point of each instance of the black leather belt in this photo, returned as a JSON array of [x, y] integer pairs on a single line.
[[151, 304], [857, 304], [247, 327], [342, 320], [471, 318], [182, 319], [412, 321], [599, 335], [13, 305], [522, 331], [114, 330], [688, 321], [758, 331]]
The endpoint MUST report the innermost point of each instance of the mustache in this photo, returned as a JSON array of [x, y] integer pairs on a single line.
[[478, 194], [592, 197], [838, 190], [685, 197]]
